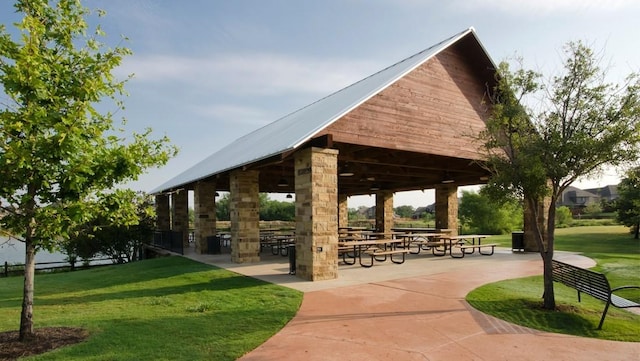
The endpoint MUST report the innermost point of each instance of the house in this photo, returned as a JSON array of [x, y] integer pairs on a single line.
[[578, 199], [608, 193]]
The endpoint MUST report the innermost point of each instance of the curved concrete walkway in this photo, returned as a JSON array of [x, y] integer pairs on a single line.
[[415, 311]]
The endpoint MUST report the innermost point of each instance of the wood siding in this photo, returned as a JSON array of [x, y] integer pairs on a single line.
[[435, 109]]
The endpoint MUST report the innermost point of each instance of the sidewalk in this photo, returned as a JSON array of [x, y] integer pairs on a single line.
[[414, 311]]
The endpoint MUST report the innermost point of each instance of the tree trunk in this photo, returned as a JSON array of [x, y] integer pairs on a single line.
[[546, 249], [26, 318], [549, 302], [637, 230]]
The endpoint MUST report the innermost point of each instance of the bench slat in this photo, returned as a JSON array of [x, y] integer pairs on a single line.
[[623, 302]]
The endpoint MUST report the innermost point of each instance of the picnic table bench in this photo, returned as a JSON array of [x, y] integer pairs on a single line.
[[464, 247], [375, 253], [371, 248], [592, 283]]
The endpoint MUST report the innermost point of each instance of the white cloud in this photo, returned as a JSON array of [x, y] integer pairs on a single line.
[[546, 6], [251, 73]]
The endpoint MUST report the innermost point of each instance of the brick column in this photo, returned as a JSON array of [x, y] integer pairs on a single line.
[[244, 205], [343, 211], [163, 215], [447, 207], [180, 216], [316, 214], [384, 211], [204, 202]]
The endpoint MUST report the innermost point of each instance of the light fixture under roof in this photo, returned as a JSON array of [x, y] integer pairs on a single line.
[[345, 171], [447, 179], [375, 187], [283, 183]]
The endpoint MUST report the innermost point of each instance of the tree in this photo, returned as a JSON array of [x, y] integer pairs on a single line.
[[60, 157], [628, 202], [273, 210], [121, 243], [481, 214], [563, 216], [405, 211], [586, 123], [593, 209], [223, 208]]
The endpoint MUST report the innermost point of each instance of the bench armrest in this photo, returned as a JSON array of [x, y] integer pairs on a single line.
[[623, 288], [621, 302]]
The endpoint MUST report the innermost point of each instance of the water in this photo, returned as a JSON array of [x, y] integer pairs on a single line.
[[12, 251]]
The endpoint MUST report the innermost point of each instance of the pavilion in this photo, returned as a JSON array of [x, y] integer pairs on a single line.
[[410, 126]]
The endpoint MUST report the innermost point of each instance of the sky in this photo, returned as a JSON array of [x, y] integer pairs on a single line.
[[207, 72]]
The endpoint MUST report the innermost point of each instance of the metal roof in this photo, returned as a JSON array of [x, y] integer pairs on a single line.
[[293, 130]]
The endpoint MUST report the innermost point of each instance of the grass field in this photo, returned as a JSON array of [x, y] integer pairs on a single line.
[[168, 308], [617, 255]]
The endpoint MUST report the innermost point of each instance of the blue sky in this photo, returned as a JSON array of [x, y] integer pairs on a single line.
[[207, 71]]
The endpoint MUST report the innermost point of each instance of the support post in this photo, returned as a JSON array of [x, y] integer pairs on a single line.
[[180, 218], [384, 211], [204, 201], [447, 208], [245, 217], [316, 181]]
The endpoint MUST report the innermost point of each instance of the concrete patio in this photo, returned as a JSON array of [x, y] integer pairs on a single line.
[[413, 311]]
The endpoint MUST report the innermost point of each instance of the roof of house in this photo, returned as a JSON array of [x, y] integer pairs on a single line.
[[573, 196], [293, 130], [608, 191]]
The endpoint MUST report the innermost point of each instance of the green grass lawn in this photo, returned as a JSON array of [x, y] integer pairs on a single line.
[[617, 255], [167, 308]]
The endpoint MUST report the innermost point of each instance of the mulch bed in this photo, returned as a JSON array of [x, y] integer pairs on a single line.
[[46, 339]]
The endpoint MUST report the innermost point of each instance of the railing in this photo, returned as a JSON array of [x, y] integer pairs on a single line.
[[18, 268], [169, 240]]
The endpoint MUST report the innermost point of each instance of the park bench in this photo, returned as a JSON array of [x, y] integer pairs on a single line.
[[592, 283]]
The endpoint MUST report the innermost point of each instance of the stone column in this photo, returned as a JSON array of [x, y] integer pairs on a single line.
[[447, 207], [244, 203], [316, 214], [163, 215], [180, 217], [343, 211], [384, 211], [204, 202]]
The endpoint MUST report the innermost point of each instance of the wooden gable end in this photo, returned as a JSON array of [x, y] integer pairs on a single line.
[[435, 109]]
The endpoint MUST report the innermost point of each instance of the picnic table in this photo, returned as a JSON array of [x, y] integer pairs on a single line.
[[279, 243], [467, 244], [421, 241], [377, 250]]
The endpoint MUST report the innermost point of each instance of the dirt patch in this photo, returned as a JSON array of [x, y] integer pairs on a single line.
[[46, 339]]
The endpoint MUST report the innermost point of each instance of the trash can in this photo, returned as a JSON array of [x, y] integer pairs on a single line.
[[292, 259], [213, 245], [517, 241]]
